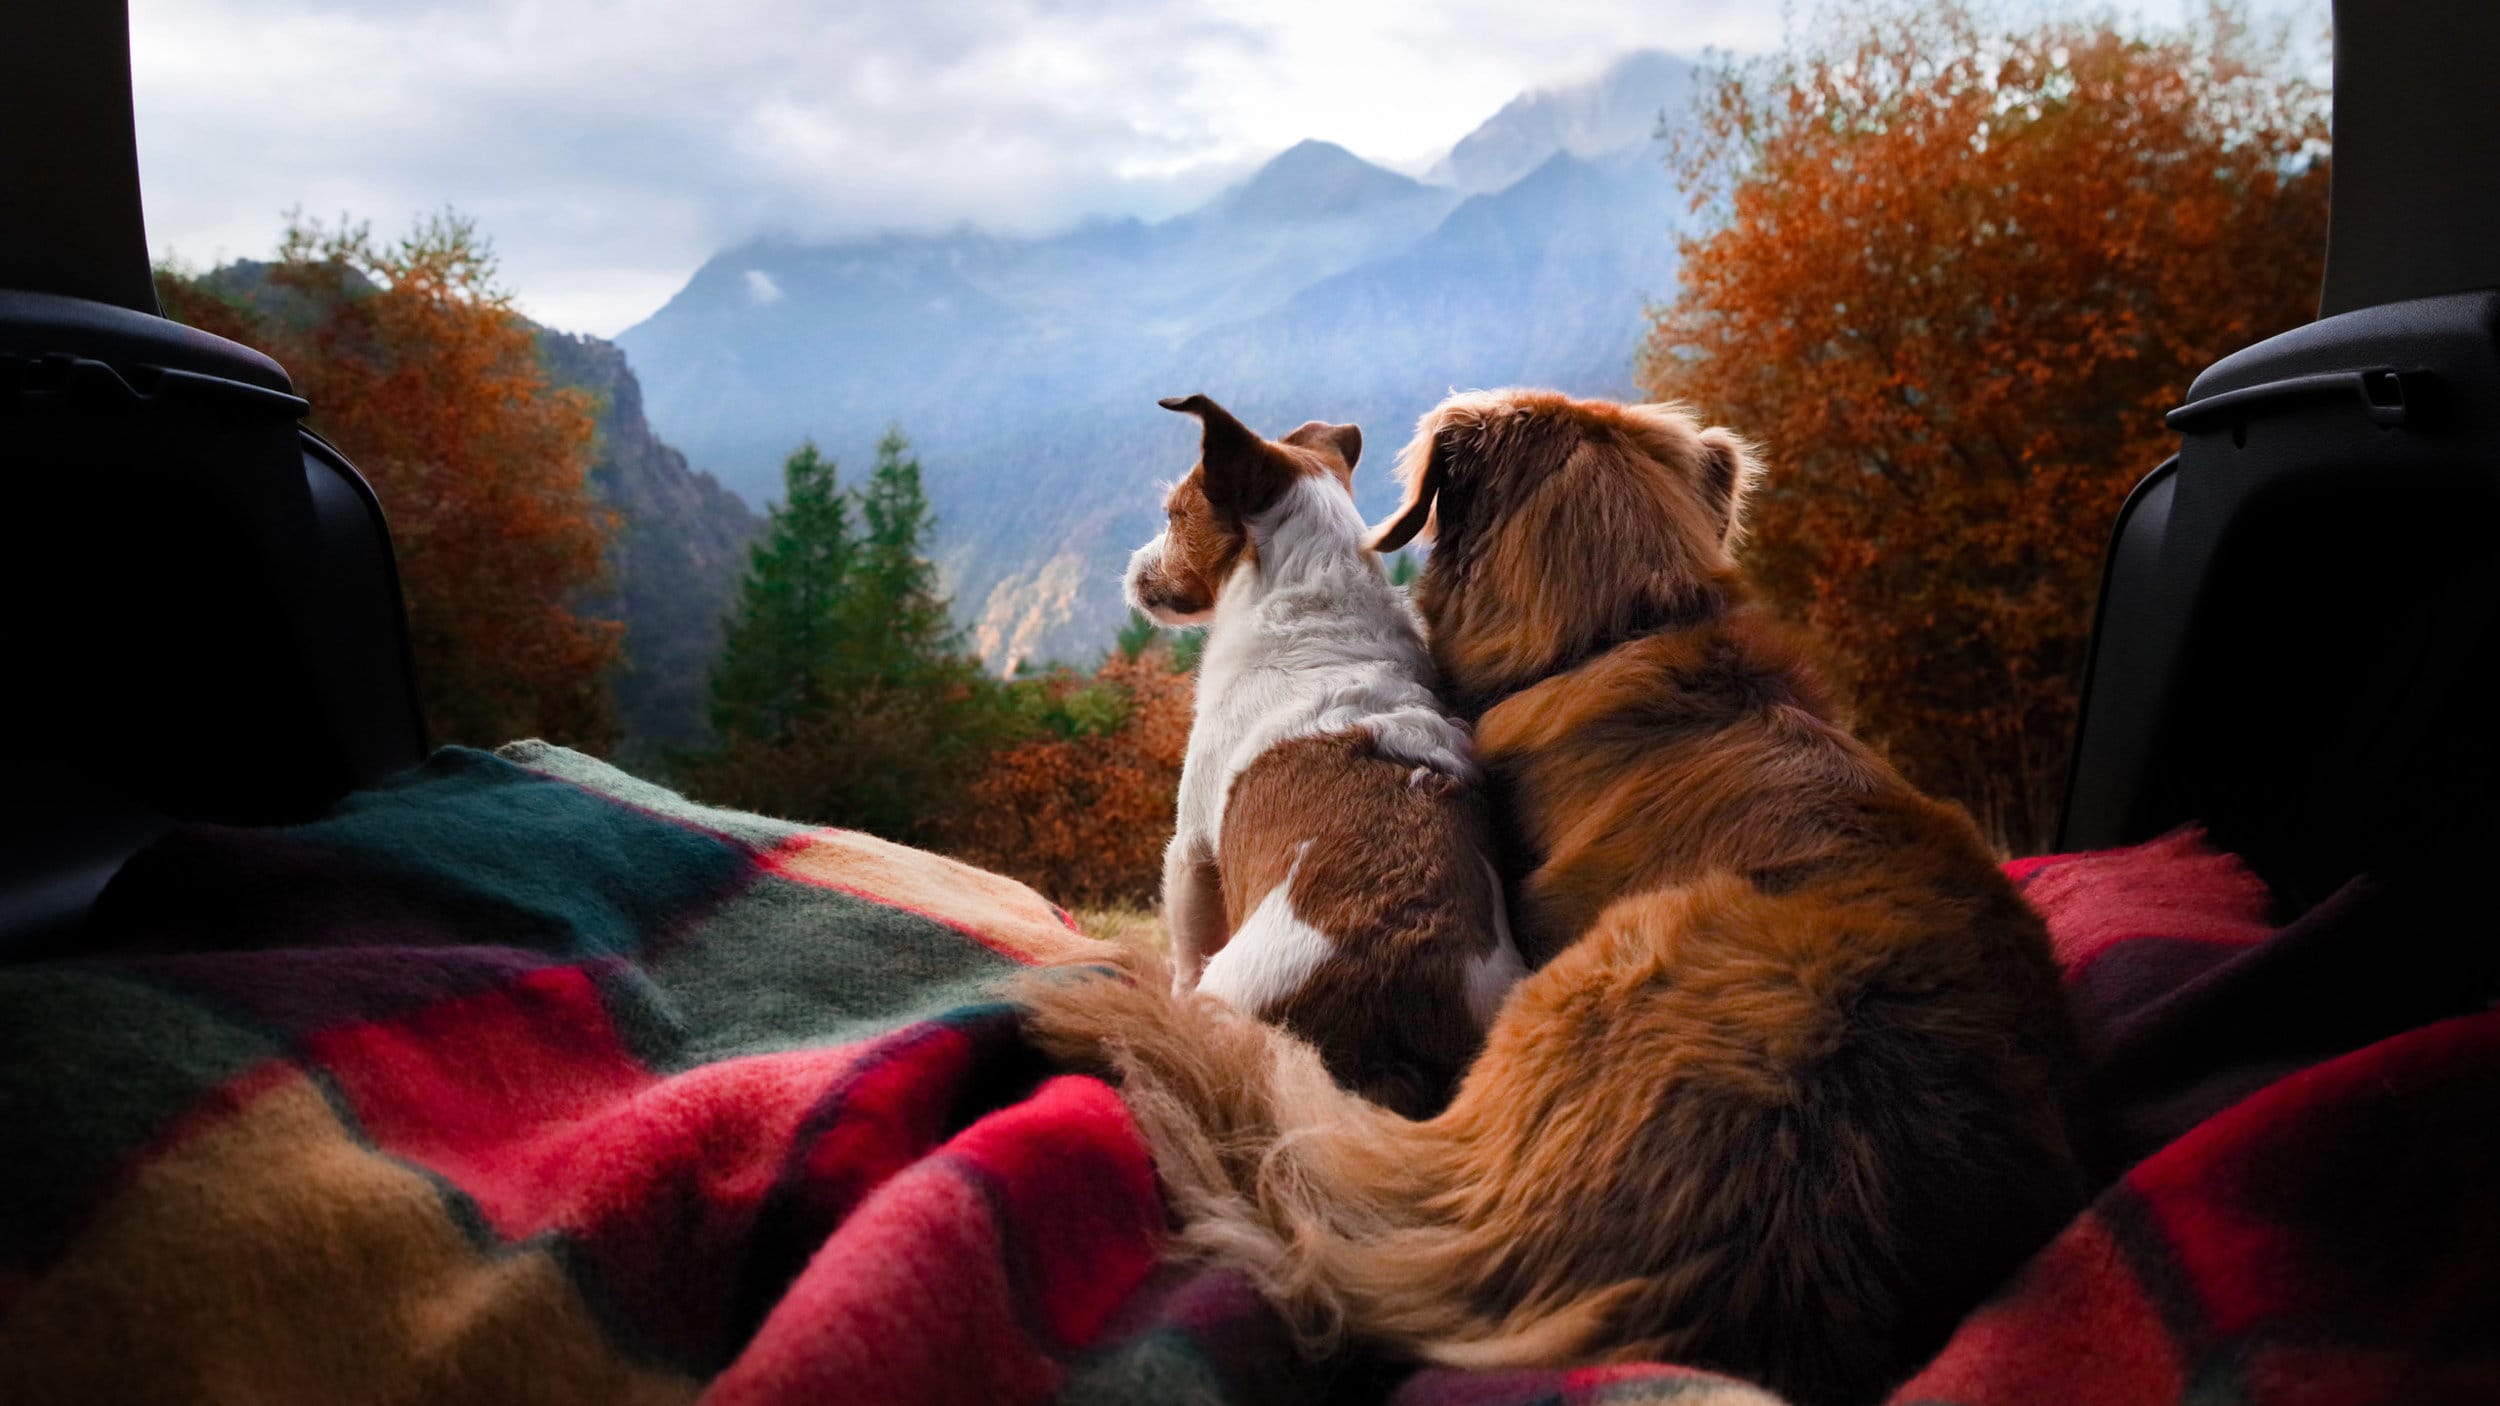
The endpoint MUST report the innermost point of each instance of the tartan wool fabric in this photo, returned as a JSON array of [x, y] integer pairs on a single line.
[[516, 1079]]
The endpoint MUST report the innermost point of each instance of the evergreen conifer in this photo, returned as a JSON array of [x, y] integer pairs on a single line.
[[785, 645]]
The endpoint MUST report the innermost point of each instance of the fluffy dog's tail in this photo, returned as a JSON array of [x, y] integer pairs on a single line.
[[1339, 1210]]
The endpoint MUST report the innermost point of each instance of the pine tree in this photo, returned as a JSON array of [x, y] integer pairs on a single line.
[[1137, 636], [786, 643], [899, 625], [1188, 646]]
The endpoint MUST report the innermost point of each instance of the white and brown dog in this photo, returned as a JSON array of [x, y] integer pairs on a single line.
[[1329, 869]]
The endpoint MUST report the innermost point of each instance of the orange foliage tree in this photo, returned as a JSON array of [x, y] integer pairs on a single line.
[[1082, 813], [1954, 279], [418, 368]]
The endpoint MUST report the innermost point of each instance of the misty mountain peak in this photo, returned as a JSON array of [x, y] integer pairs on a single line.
[[1618, 108], [1313, 179]]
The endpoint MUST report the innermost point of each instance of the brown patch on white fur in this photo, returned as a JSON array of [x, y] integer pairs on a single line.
[[1238, 475], [1790, 1095], [1200, 550], [1392, 869]]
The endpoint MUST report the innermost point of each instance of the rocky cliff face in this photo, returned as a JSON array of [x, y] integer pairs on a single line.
[[680, 549]]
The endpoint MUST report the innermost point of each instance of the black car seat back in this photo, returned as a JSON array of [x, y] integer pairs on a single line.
[[200, 615], [2300, 611], [2299, 614]]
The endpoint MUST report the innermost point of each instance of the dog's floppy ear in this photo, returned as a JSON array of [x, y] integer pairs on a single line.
[[1344, 441], [1729, 470], [1423, 488], [1243, 474]]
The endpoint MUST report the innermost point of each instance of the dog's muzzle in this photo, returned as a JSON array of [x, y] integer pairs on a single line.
[[1145, 589]]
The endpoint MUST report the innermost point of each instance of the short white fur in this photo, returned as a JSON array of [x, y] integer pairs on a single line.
[[1272, 955]]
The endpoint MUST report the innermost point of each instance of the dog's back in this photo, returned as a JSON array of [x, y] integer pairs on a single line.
[[1365, 916], [1807, 977]]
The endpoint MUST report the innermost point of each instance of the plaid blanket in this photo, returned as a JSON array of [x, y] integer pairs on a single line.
[[517, 1079]]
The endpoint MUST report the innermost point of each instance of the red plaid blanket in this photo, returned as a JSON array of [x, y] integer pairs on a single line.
[[518, 1079]]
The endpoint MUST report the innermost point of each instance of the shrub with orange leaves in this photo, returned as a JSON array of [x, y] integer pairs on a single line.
[[418, 368], [1082, 814], [1956, 278]]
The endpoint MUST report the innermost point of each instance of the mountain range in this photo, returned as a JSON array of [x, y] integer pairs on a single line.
[[1025, 370]]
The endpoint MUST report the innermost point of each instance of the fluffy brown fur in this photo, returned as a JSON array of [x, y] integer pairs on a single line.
[[1790, 1093]]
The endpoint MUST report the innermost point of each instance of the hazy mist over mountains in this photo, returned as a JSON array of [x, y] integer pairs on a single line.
[[1026, 370], [1620, 107]]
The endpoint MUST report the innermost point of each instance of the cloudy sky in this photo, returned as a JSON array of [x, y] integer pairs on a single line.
[[609, 146]]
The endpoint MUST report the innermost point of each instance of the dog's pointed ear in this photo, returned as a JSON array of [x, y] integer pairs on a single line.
[[1729, 470], [1423, 490], [1344, 441], [1243, 474]]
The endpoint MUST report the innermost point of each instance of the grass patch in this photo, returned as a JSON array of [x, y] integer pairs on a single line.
[[1138, 929]]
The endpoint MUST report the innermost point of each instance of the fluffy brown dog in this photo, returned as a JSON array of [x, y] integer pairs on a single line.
[[1790, 1093]]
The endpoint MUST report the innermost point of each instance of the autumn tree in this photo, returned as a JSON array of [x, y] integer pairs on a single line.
[[419, 369], [1952, 279], [1080, 805]]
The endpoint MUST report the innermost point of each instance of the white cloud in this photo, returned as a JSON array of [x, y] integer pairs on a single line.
[[761, 290], [610, 146]]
